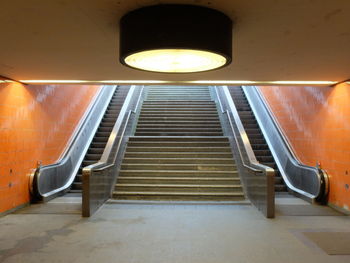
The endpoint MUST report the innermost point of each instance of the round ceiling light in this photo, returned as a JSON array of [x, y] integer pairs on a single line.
[[174, 38]]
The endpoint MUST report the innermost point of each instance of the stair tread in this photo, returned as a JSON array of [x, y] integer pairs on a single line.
[[176, 171], [179, 193], [178, 178], [180, 185]]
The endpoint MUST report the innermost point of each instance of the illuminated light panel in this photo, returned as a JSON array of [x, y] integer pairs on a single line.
[[197, 82], [301, 82], [44, 81], [175, 60]]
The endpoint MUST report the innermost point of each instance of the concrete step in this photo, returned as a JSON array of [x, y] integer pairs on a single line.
[[179, 102], [178, 130], [177, 111], [179, 95], [187, 125], [178, 139], [178, 134], [170, 122], [178, 144], [179, 173], [177, 180], [155, 98], [177, 188], [183, 196], [178, 149], [178, 107], [176, 114], [177, 160], [178, 154], [180, 118], [176, 167]]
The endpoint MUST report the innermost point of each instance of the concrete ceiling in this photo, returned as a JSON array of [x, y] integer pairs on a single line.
[[78, 39]]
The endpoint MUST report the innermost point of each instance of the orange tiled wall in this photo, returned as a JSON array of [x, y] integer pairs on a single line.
[[316, 121], [36, 122]]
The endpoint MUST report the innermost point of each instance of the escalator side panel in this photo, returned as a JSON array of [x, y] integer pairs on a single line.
[[256, 138]]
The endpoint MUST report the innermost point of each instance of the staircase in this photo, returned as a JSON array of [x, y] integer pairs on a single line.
[[99, 142], [255, 136], [178, 151]]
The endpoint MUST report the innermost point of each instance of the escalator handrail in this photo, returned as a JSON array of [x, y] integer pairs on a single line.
[[320, 174], [253, 165], [48, 176], [105, 170], [258, 179], [113, 136]]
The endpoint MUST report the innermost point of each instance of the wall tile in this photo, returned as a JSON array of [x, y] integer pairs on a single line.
[[36, 122], [316, 121]]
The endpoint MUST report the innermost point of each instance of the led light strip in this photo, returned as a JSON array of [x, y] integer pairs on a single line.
[[198, 82]]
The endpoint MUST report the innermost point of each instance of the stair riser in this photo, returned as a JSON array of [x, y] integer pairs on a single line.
[[177, 197], [163, 129], [176, 161], [179, 144], [182, 139], [179, 149], [177, 167], [177, 155], [179, 122], [180, 189], [178, 181], [185, 174]]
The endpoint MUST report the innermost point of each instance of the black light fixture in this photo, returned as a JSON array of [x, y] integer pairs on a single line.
[[173, 38]]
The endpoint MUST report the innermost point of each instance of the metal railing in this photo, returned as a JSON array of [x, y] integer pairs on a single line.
[[310, 183], [52, 180], [257, 179], [99, 179]]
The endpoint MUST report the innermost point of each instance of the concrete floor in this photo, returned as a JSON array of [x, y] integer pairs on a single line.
[[151, 233]]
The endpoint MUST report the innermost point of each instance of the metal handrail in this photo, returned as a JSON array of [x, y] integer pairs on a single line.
[[251, 156], [258, 179], [105, 166], [69, 162], [107, 151]]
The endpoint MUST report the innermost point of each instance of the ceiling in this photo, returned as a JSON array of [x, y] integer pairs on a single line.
[[273, 40]]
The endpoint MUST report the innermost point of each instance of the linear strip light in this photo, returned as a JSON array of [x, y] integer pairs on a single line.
[[196, 82]]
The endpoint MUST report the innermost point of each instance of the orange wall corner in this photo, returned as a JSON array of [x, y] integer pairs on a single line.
[[36, 122], [316, 121]]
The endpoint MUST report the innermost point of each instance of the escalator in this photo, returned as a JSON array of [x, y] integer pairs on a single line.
[[181, 150], [100, 139], [255, 136]]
